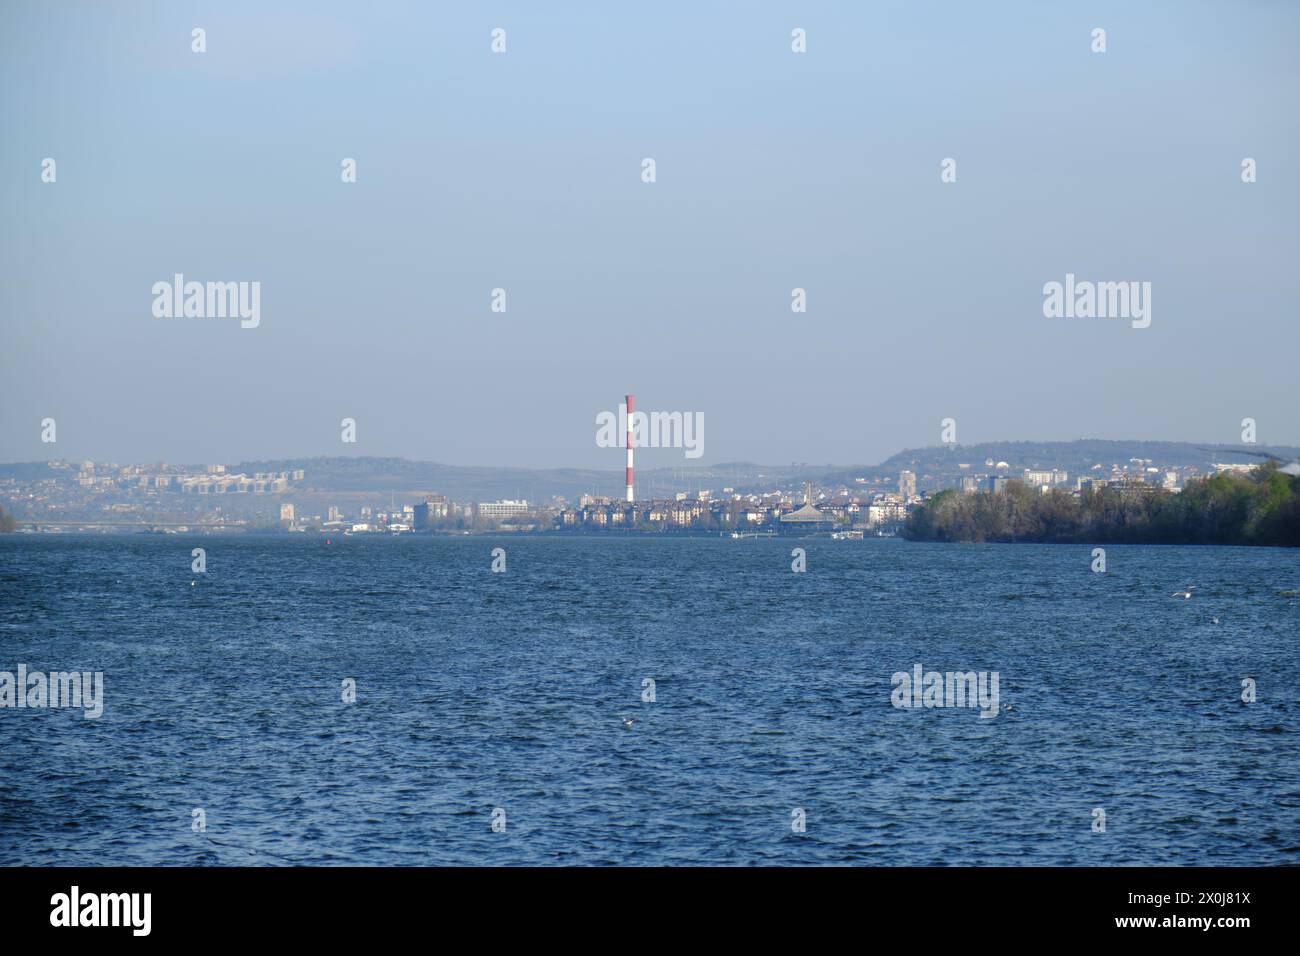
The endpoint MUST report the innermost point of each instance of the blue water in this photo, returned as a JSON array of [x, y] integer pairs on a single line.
[[478, 690]]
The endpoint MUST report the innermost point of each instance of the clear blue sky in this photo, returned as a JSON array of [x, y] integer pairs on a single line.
[[522, 171]]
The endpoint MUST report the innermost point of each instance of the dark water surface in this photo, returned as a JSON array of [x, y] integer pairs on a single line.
[[479, 690]]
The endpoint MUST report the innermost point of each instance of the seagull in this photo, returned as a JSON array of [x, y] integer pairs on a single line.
[[627, 721], [1185, 593], [1288, 466]]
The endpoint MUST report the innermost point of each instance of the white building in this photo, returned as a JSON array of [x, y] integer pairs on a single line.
[[907, 484], [885, 512], [496, 510]]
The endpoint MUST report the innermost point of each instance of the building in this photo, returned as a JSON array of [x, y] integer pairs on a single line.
[[286, 513], [907, 484], [1133, 488], [498, 510], [806, 519], [997, 483], [886, 512], [1039, 479], [432, 509]]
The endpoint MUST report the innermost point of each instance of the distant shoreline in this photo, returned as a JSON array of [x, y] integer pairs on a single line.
[[319, 537]]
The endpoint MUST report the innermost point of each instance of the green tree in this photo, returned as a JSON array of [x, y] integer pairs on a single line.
[[1261, 508]]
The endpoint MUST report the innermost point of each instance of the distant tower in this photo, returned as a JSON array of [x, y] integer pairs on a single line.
[[630, 399], [907, 485]]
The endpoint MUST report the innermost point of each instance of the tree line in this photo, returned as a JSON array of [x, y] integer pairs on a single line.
[[1258, 508]]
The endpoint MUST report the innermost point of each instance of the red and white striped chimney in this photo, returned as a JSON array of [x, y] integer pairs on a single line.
[[630, 399]]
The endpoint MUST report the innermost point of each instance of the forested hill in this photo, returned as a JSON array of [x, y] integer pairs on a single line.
[[1076, 457]]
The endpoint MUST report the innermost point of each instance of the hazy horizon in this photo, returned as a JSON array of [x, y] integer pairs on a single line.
[[522, 171], [663, 460]]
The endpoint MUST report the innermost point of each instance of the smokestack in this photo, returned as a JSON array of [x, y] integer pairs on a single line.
[[630, 399]]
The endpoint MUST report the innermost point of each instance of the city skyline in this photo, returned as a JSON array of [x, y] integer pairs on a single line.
[[341, 493]]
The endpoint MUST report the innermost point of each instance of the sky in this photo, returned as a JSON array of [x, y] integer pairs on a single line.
[[522, 170]]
